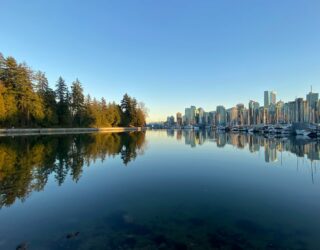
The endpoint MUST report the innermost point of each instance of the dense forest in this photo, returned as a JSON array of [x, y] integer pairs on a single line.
[[26, 100]]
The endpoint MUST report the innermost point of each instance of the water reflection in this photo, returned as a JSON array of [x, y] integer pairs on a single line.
[[272, 146], [173, 198], [26, 162]]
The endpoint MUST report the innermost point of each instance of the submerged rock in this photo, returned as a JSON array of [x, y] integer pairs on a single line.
[[160, 240], [72, 235], [180, 246], [22, 246], [127, 218], [250, 227]]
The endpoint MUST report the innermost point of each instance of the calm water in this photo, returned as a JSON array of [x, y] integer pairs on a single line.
[[159, 190]]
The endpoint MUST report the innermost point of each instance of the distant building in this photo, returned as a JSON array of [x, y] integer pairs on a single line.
[[253, 112], [266, 99], [232, 116], [272, 112], [273, 98], [200, 116], [170, 121], [313, 100], [221, 116], [179, 119], [241, 117], [299, 110], [280, 112], [212, 118]]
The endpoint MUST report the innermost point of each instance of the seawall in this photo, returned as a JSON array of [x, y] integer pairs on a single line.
[[44, 131]]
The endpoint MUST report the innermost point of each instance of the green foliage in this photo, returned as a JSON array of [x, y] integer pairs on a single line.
[[26, 100], [63, 104], [132, 114], [77, 103]]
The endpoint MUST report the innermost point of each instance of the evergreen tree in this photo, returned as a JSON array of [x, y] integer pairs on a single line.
[[18, 81], [113, 114], [77, 103], [26, 100], [132, 115], [63, 106], [48, 97], [2, 104], [126, 110]]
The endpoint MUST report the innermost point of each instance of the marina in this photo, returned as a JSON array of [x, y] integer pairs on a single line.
[[299, 129]]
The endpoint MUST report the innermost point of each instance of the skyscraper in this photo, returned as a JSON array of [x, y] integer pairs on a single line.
[[299, 110], [313, 99], [179, 119], [241, 116], [221, 115], [270, 97], [190, 115], [187, 115], [273, 98], [266, 99], [200, 116]]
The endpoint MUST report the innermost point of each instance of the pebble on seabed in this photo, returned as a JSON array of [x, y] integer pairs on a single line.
[[72, 235], [22, 246]]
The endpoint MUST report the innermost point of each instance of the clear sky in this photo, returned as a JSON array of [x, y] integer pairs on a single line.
[[170, 53]]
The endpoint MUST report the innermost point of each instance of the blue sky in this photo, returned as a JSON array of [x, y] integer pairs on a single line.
[[170, 54]]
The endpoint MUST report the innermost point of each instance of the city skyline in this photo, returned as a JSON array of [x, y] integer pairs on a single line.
[[270, 111], [170, 53]]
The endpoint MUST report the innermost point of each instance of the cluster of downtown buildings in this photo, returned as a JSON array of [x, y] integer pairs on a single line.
[[272, 112]]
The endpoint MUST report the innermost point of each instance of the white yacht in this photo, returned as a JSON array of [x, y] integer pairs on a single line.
[[303, 132], [221, 128]]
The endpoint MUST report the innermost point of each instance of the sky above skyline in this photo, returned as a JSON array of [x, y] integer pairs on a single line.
[[170, 54]]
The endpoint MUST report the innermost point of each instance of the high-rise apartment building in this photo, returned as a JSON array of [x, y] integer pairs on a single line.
[[221, 116], [179, 119], [273, 98], [266, 99]]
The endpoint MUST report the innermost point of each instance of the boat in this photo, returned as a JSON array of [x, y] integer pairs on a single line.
[[235, 129], [287, 129], [278, 129], [271, 130], [303, 132], [265, 129], [221, 128], [243, 129], [188, 127]]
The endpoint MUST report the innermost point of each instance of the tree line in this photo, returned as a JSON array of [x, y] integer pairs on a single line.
[[27, 100]]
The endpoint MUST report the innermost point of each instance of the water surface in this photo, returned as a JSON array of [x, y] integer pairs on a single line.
[[159, 190]]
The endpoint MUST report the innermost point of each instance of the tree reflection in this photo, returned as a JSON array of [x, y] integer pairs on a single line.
[[27, 162]]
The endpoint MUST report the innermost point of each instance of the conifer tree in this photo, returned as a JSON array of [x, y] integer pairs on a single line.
[[63, 105], [77, 103], [26, 100]]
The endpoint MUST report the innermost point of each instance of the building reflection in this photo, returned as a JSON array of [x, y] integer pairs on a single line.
[[272, 147]]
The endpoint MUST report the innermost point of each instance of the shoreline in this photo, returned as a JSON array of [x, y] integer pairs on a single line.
[[49, 131]]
